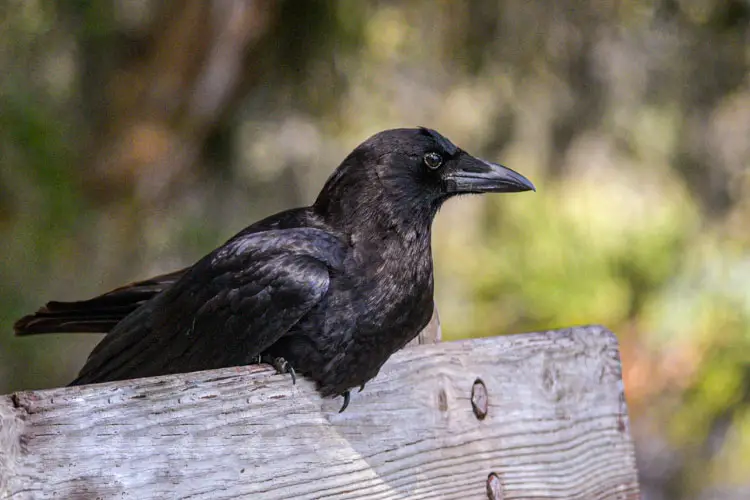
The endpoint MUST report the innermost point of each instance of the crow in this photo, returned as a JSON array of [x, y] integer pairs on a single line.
[[330, 291]]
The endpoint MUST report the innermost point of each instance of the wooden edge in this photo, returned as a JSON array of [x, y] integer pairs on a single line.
[[50, 421], [11, 432]]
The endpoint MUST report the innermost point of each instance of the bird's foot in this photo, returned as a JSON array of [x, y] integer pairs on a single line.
[[361, 387], [346, 401], [282, 366]]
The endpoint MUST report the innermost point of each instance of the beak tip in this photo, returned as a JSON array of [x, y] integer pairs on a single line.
[[525, 184]]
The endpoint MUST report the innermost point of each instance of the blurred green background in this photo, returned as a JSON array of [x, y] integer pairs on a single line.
[[135, 136]]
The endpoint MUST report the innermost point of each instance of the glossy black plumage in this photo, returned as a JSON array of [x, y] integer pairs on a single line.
[[334, 288]]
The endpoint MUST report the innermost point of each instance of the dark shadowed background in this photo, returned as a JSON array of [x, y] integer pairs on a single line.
[[137, 135]]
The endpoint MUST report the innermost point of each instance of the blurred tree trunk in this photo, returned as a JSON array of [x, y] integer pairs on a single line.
[[162, 106]]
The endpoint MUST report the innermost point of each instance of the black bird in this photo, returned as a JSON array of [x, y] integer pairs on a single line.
[[330, 290]]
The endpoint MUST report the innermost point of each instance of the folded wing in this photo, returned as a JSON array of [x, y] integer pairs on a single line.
[[224, 311]]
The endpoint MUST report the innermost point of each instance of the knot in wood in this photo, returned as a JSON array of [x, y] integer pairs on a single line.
[[494, 487], [442, 400], [479, 399]]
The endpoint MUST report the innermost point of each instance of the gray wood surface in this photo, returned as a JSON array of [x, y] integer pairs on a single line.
[[430, 334], [555, 425]]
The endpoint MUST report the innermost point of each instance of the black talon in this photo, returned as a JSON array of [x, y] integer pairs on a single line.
[[282, 366], [346, 401], [361, 387], [290, 370]]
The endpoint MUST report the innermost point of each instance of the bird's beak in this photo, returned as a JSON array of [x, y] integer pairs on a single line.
[[474, 175]]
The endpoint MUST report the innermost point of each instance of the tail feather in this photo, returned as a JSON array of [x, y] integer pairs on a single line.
[[97, 315]]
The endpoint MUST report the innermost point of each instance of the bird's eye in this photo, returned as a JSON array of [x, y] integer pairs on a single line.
[[433, 160]]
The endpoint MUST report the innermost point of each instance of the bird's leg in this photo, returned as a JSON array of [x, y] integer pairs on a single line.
[[346, 401], [282, 366]]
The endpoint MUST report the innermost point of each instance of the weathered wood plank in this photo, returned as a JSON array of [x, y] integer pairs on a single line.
[[556, 427], [430, 334]]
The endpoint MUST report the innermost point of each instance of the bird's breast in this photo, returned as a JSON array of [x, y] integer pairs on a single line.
[[375, 304], [388, 306]]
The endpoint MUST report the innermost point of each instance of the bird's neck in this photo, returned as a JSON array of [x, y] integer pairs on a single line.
[[411, 238], [388, 245], [389, 212], [383, 222]]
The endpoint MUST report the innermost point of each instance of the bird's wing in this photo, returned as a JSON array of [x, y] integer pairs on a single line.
[[224, 311], [97, 315], [100, 314]]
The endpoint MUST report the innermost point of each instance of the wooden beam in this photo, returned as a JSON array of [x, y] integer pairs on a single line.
[[539, 415], [430, 334]]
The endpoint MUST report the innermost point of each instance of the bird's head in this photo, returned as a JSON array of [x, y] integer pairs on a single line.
[[414, 170]]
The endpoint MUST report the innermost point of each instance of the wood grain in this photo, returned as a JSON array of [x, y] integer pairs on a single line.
[[556, 427], [430, 334]]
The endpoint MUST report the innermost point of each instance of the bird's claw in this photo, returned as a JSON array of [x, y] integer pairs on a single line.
[[282, 366], [347, 396], [346, 401]]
